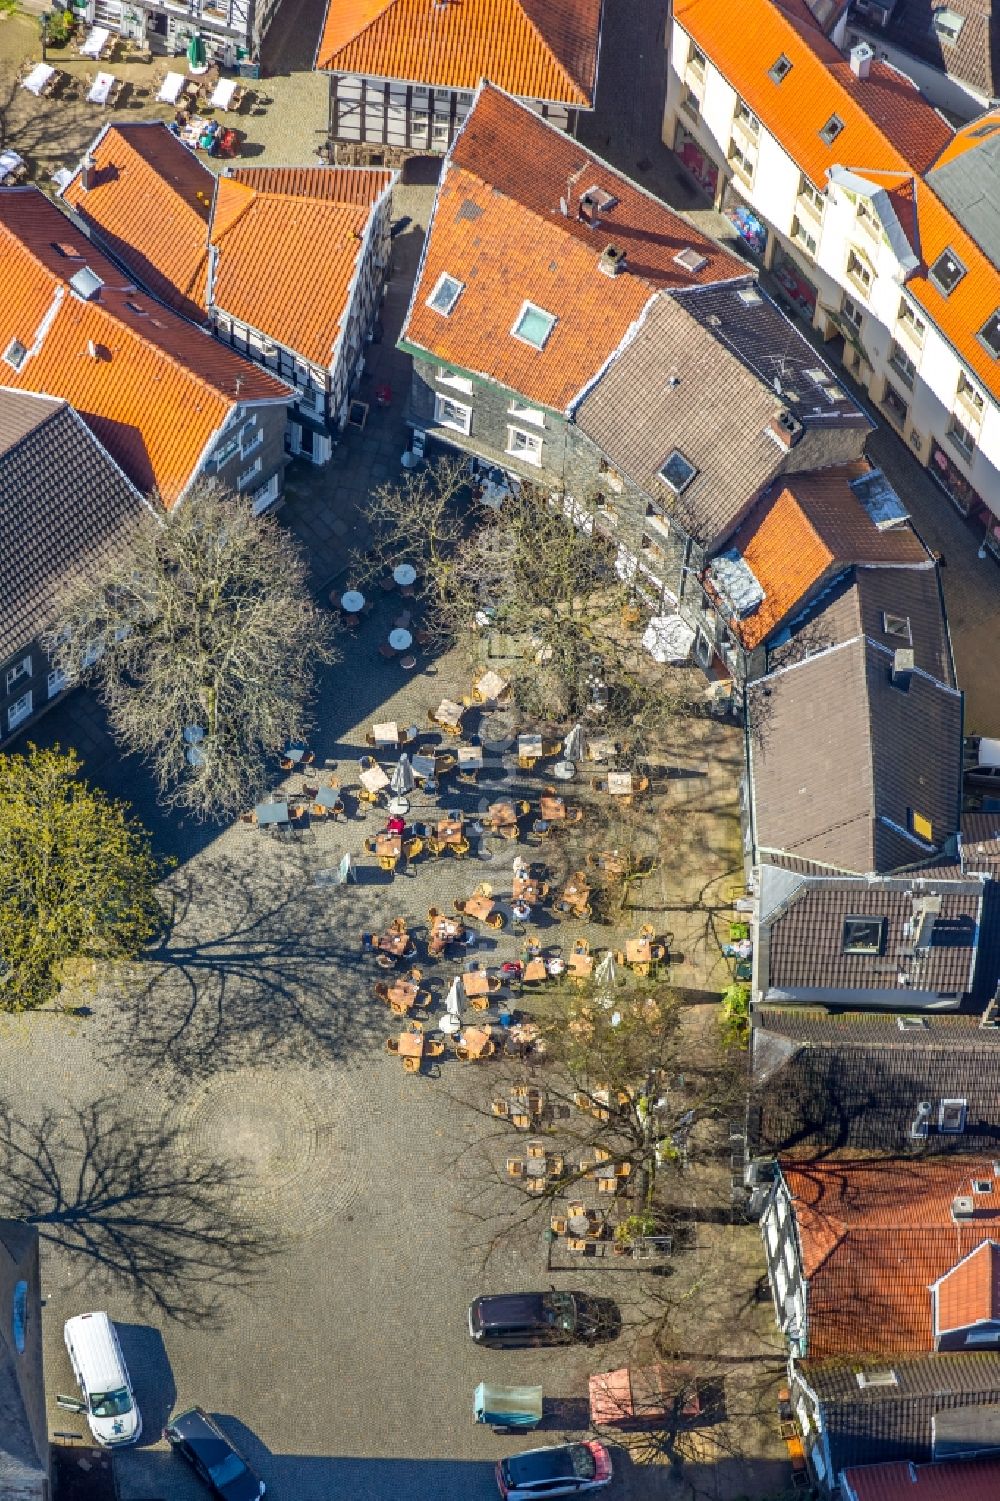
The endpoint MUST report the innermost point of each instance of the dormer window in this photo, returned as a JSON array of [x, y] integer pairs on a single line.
[[447, 291], [946, 272], [533, 325], [831, 130], [864, 935]]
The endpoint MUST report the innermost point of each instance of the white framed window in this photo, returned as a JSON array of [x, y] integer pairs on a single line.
[[461, 383], [894, 404], [19, 711], [56, 682], [969, 395], [960, 437], [248, 475], [743, 160], [900, 361], [696, 61], [859, 269], [951, 1117], [803, 236], [851, 313], [256, 439], [812, 197], [746, 117], [266, 495], [910, 323], [533, 325], [224, 454], [453, 414], [447, 291], [17, 671], [527, 414], [526, 446]]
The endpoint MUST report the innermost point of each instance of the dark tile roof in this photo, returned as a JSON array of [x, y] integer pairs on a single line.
[[980, 843], [853, 1082], [877, 1423], [974, 56], [62, 502], [699, 375], [928, 942], [838, 757]]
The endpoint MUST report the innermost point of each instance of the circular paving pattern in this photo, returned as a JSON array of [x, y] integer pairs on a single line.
[[295, 1142]]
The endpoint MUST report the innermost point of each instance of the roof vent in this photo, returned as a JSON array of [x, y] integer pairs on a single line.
[[902, 667], [692, 260], [963, 1207], [925, 913], [611, 260], [86, 283], [786, 427], [92, 349], [88, 173], [861, 60]]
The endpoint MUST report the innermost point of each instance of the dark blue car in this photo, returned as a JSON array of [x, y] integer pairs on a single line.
[[213, 1456]]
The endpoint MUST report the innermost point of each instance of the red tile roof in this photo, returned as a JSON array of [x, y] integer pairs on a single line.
[[287, 244], [948, 1480], [149, 207], [536, 49], [970, 1292], [153, 388], [874, 1235], [499, 229]]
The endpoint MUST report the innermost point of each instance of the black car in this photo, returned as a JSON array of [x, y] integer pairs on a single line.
[[552, 1318], [213, 1456]]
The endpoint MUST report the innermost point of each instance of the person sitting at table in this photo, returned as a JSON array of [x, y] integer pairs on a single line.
[[521, 911], [396, 825]]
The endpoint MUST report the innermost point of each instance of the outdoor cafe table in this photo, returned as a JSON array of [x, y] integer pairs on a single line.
[[552, 808], [446, 929], [479, 907], [529, 746], [449, 831], [411, 1044], [423, 766], [501, 816], [97, 39], [526, 889], [101, 89], [639, 950], [620, 783], [491, 687], [601, 748], [10, 164], [449, 713], [580, 965], [271, 813], [373, 779], [386, 734], [223, 94], [476, 982], [535, 970], [612, 863], [171, 88], [403, 994], [476, 1040], [404, 575], [388, 846], [393, 942], [38, 80], [328, 797], [470, 757], [576, 892]]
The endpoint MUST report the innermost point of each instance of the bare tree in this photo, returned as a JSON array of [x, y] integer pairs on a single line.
[[204, 641]]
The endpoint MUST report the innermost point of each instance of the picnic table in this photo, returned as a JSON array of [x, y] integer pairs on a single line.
[[227, 94], [39, 80], [612, 863], [98, 38], [639, 950], [478, 1040], [411, 1044], [575, 894], [373, 779], [552, 809], [449, 714], [601, 748], [103, 86], [171, 88], [580, 965]]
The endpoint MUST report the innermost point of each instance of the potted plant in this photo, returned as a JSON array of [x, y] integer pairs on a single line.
[[632, 1228]]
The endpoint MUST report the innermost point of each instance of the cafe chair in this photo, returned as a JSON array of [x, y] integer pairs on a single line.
[[422, 999], [573, 1244], [386, 652], [411, 1065], [515, 1166], [536, 1185], [574, 814], [459, 904], [460, 849], [489, 1048], [520, 1119], [381, 990], [432, 915], [462, 1053], [500, 1109], [414, 1026], [250, 817], [412, 848], [392, 1044], [388, 862], [317, 811], [383, 960], [557, 1224], [479, 1002], [536, 1149], [640, 784], [371, 845], [434, 1049], [495, 920]]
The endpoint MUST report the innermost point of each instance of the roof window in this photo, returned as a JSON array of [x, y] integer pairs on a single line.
[[864, 935], [911, 1023], [533, 325], [831, 130], [86, 283], [920, 825], [947, 24], [897, 625], [692, 260], [989, 335], [447, 291], [677, 471], [780, 69], [982, 131], [15, 354], [982, 1185], [947, 271], [749, 296], [70, 252], [951, 1117], [876, 1378]]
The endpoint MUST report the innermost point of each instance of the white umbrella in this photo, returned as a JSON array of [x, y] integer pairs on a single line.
[[605, 979], [574, 746], [402, 779], [453, 1000]]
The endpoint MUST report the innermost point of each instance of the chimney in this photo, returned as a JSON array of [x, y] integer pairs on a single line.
[[861, 60], [92, 349], [88, 173], [902, 667], [611, 260], [786, 428], [926, 911], [963, 1207]]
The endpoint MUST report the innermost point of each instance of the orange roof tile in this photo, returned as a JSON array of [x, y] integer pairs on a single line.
[[874, 1236], [887, 124], [808, 526], [287, 243], [536, 49], [149, 207], [970, 1292], [497, 227], [153, 388], [945, 1480]]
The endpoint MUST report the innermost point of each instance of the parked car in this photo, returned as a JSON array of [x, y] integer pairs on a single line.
[[561, 1470], [103, 1379], [213, 1456], [552, 1318], [982, 761]]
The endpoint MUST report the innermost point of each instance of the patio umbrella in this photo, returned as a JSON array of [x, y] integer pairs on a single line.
[[605, 979], [402, 779], [453, 1000], [574, 746], [196, 51]]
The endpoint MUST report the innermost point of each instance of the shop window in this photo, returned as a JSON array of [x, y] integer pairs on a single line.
[[894, 404]]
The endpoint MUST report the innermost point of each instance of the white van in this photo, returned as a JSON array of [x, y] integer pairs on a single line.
[[102, 1378]]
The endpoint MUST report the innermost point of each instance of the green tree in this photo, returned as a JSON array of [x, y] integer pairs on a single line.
[[77, 876]]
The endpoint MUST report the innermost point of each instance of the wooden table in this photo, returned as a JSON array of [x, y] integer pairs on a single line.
[[386, 734], [491, 687], [476, 1039], [620, 783], [535, 970], [576, 893], [529, 746], [449, 831], [411, 1044], [373, 779], [476, 982], [501, 816], [446, 929], [393, 943], [470, 758], [526, 889], [639, 950], [479, 907], [612, 863], [403, 994], [389, 846], [552, 808], [449, 713], [580, 965]]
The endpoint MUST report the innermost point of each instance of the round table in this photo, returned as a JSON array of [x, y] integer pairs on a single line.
[[578, 1223], [405, 575], [564, 771], [353, 601], [449, 1024], [399, 806], [399, 639]]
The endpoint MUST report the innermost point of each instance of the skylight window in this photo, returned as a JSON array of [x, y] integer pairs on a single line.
[[864, 935], [947, 271], [780, 69], [831, 130], [948, 24], [951, 1117], [692, 260], [677, 471], [447, 291], [533, 325], [876, 1378], [69, 252], [989, 335], [897, 625], [15, 354]]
